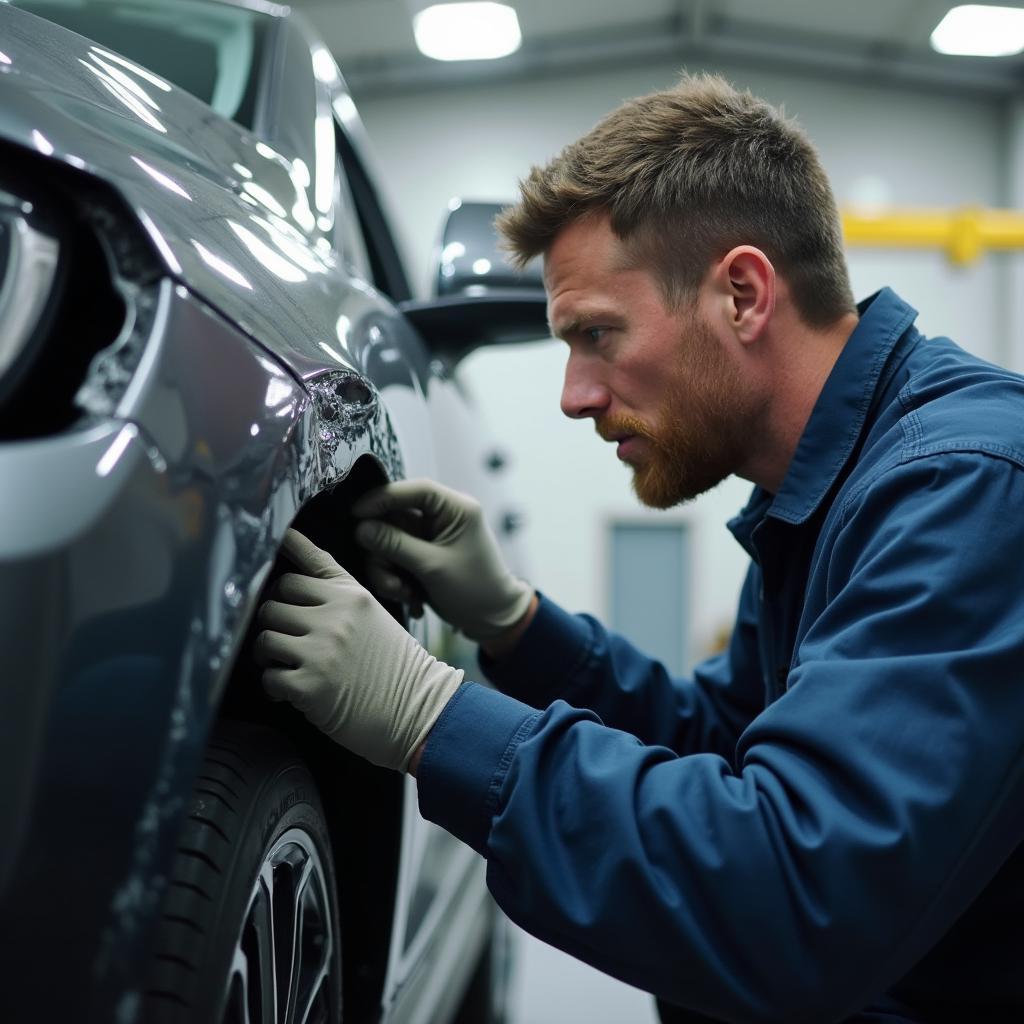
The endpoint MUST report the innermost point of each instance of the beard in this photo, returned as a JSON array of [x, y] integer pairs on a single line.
[[704, 429]]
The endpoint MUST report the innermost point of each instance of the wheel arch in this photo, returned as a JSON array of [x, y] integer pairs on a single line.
[[363, 803]]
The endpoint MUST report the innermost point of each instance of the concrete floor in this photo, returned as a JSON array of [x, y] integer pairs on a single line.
[[549, 987]]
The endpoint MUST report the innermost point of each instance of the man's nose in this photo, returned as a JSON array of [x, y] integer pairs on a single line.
[[583, 394]]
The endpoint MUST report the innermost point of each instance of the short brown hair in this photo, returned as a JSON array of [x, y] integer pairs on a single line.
[[686, 175]]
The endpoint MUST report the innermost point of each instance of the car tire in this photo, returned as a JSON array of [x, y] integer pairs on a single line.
[[249, 929]]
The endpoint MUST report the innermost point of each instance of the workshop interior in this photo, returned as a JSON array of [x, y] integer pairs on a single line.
[[249, 274]]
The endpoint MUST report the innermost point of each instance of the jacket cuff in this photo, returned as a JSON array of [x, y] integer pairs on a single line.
[[466, 759], [553, 647]]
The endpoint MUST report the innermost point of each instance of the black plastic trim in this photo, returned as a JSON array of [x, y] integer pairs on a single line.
[[455, 325]]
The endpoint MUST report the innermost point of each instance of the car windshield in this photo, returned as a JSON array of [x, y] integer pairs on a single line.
[[210, 50]]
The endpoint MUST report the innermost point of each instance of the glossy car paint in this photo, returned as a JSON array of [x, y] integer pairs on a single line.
[[252, 373], [149, 556], [173, 167]]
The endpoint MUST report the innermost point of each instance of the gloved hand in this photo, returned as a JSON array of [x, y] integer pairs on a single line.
[[330, 649], [440, 537]]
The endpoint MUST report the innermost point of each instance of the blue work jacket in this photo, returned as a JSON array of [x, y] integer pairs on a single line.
[[825, 822]]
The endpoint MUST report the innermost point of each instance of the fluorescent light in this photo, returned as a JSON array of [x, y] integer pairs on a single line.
[[118, 447], [43, 144], [467, 31], [161, 179], [323, 66], [978, 30]]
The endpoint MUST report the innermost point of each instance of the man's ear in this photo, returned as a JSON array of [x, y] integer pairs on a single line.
[[744, 280]]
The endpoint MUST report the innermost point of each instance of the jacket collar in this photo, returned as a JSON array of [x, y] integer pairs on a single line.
[[837, 420]]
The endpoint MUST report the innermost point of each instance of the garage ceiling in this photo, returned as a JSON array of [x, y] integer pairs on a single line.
[[883, 40]]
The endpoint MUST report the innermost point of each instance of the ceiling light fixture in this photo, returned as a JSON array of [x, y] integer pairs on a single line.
[[466, 31], [978, 30]]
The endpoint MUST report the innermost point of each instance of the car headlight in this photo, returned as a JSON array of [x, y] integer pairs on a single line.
[[29, 259]]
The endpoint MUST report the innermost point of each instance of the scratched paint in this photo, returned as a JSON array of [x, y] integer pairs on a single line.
[[348, 416]]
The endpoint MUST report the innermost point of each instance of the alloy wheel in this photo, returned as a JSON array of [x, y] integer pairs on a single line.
[[279, 972]]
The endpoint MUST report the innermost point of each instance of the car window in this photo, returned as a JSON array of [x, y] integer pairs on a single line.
[[348, 233], [298, 110], [388, 274], [211, 51]]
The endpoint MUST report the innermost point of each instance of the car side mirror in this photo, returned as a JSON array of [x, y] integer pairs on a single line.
[[480, 298]]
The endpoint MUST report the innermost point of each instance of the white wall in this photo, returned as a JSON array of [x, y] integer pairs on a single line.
[[905, 148]]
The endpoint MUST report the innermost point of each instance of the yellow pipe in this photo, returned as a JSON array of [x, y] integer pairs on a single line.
[[964, 234]]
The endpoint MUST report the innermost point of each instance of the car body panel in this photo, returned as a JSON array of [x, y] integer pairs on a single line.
[[135, 544], [153, 590], [206, 224]]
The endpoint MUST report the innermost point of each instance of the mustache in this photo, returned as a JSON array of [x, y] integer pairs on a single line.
[[611, 427]]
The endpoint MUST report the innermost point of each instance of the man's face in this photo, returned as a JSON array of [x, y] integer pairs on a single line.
[[658, 382]]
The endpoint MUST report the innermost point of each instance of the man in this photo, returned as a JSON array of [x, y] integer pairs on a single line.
[[824, 823]]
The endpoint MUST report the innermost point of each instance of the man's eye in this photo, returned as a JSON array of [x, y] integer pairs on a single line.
[[595, 333]]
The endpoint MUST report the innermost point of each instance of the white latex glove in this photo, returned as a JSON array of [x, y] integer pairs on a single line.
[[334, 652], [441, 539]]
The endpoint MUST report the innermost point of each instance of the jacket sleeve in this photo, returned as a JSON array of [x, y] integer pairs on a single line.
[[870, 806], [575, 659]]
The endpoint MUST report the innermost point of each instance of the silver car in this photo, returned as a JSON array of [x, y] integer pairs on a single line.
[[206, 336]]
